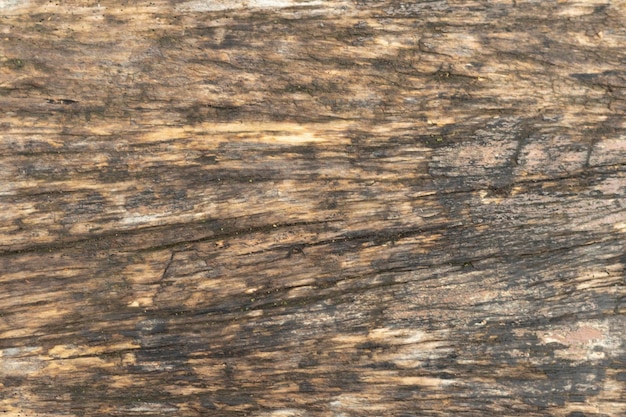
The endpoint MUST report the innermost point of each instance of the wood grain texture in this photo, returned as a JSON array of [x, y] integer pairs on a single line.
[[309, 208]]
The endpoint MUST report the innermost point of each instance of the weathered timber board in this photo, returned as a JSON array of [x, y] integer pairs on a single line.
[[292, 208]]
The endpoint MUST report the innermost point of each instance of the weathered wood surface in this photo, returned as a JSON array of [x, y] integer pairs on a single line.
[[290, 208]]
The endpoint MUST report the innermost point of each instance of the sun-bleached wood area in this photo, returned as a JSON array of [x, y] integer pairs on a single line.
[[312, 208]]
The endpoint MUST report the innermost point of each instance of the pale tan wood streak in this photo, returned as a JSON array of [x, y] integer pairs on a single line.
[[312, 208]]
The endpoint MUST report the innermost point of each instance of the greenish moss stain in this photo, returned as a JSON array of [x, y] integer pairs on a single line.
[[16, 63]]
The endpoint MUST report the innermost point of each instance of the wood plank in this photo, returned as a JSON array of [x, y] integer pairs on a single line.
[[307, 208]]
